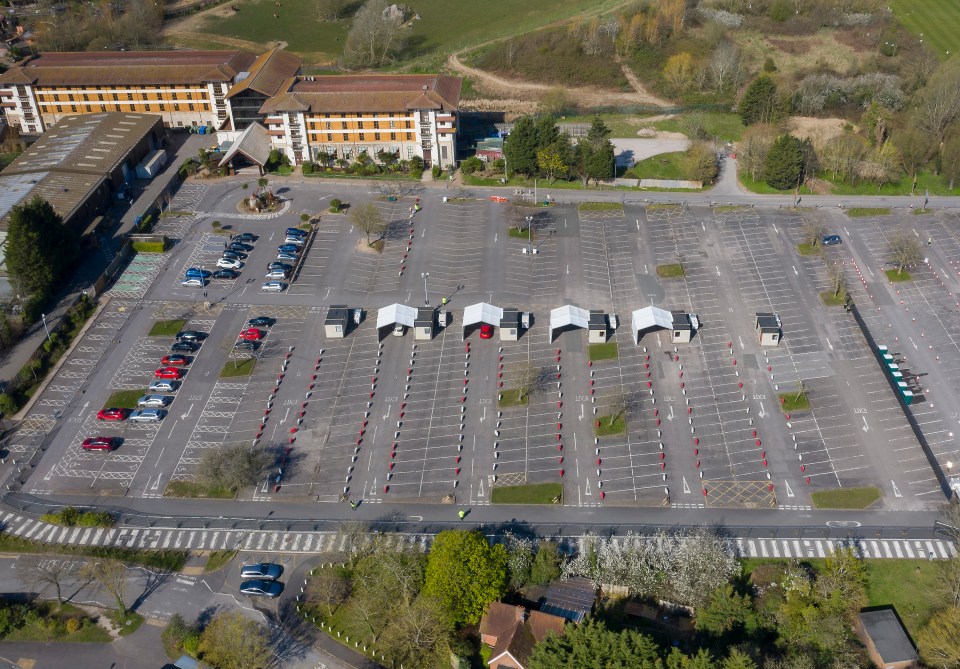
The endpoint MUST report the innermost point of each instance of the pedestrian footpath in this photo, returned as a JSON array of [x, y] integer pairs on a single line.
[[276, 541]]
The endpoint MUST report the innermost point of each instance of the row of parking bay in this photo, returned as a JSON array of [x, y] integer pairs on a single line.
[[713, 441], [373, 272], [63, 388], [931, 318], [204, 255], [234, 410], [313, 273], [457, 239]]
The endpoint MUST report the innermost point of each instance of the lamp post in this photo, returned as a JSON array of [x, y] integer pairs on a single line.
[[43, 317], [529, 220], [426, 295]]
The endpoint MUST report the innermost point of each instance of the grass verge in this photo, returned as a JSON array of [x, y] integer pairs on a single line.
[[517, 233], [534, 493], [600, 206], [896, 275], [861, 212], [845, 498], [661, 166], [55, 621], [194, 489], [510, 397], [238, 368], [792, 402], [123, 399], [832, 300], [125, 623], [167, 328], [808, 249], [605, 351], [164, 559], [918, 212], [608, 429], [670, 271], [218, 559]]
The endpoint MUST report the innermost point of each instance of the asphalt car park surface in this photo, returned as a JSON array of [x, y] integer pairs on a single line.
[[383, 418]]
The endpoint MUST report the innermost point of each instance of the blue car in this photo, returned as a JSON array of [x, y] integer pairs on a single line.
[[197, 272], [832, 240], [288, 248], [296, 232]]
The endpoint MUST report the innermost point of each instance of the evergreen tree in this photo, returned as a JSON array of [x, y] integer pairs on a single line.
[[594, 157], [40, 249], [783, 168], [590, 644], [520, 146], [759, 103]]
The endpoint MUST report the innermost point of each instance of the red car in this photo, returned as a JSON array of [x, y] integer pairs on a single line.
[[486, 331], [99, 444], [251, 334], [112, 414], [175, 359], [168, 373]]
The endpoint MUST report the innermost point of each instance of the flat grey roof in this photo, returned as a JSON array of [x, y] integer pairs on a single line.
[[336, 314], [424, 317], [888, 636], [598, 320], [768, 321]]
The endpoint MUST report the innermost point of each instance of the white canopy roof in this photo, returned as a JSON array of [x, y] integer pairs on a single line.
[[481, 312], [649, 317], [396, 313], [568, 315]]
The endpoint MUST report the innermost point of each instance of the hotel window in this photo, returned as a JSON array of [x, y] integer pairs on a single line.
[[59, 108], [327, 125], [361, 137], [85, 98], [409, 124], [176, 107], [129, 96], [73, 108], [100, 97], [393, 136], [329, 137], [70, 97], [115, 97], [147, 108], [376, 136], [89, 109], [343, 125], [409, 136], [191, 106], [376, 125], [393, 124]]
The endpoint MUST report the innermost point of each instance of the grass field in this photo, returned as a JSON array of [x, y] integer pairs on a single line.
[[938, 21], [832, 300], [792, 402], [845, 498], [538, 493], [896, 276], [600, 206], [726, 127], [123, 399], [663, 166], [166, 328], [670, 271], [238, 368], [607, 428], [606, 351], [807, 249], [510, 397], [200, 490], [865, 212], [440, 29]]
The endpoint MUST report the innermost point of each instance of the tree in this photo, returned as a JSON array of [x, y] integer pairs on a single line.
[[111, 575], [783, 168], [367, 219], [332, 10], [546, 564], [758, 104], [738, 660], [520, 146], [726, 611], [843, 582], [234, 467], [551, 162], [528, 379], [40, 249], [839, 282], [702, 660], [465, 573], [554, 101], [914, 147], [42, 573], [678, 71], [725, 66], [905, 248], [233, 641], [938, 104], [585, 644], [701, 162], [327, 588], [594, 155], [375, 37], [950, 157], [417, 634], [519, 560], [812, 231], [939, 639], [753, 148]]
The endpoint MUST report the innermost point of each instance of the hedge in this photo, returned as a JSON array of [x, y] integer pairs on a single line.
[[150, 247]]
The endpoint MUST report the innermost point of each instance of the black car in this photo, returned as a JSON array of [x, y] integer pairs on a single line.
[[260, 321], [226, 274], [191, 335], [281, 266], [244, 345], [237, 246], [264, 570], [235, 255], [245, 237], [184, 347], [261, 588]]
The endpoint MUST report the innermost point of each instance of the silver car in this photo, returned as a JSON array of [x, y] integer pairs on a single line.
[[147, 415], [154, 401], [273, 287], [267, 570], [276, 274], [163, 386]]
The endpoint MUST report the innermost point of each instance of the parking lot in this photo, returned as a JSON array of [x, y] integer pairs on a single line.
[[389, 419]]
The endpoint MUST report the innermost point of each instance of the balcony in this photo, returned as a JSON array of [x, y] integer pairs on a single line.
[[446, 118], [276, 133]]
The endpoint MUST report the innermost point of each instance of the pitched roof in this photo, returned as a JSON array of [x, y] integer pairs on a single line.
[[572, 598], [499, 618], [128, 68], [269, 73], [519, 638], [369, 93], [253, 142], [543, 624]]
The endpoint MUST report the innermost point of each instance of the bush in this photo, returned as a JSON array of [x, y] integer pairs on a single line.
[[436, 171], [336, 205], [8, 405], [779, 11], [73, 625], [177, 635], [416, 163], [73, 517], [149, 247], [471, 165], [145, 224], [307, 167], [416, 173]]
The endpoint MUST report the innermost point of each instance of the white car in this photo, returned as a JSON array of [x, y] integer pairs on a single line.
[[229, 263], [399, 330], [286, 257], [153, 401], [294, 240], [192, 282], [276, 274], [147, 415], [273, 287]]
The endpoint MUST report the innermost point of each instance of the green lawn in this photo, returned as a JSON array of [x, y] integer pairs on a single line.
[[166, 328], [845, 498], [926, 181], [792, 402], [938, 21], [621, 125], [608, 429], [864, 212], [238, 368], [38, 631], [606, 351], [832, 300], [896, 276], [600, 206], [726, 127], [808, 249], [510, 397], [123, 399], [671, 271], [662, 166], [517, 233], [127, 624], [6, 159], [169, 560], [764, 189], [218, 559], [534, 493], [193, 489]]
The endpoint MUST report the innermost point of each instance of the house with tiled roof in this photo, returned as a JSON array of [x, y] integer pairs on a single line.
[[513, 631]]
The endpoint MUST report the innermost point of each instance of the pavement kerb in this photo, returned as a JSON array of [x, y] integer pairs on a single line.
[[62, 361]]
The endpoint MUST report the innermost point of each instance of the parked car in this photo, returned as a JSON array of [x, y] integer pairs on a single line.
[[832, 240], [243, 345], [100, 443], [273, 287], [261, 588], [147, 415], [168, 373], [399, 329], [225, 274], [261, 321], [163, 386], [234, 255], [275, 274], [238, 246], [191, 335], [286, 257], [251, 334], [112, 414], [486, 331], [264, 570], [282, 266], [196, 271], [229, 263], [193, 282], [288, 248], [296, 241], [183, 346], [154, 401], [295, 232], [175, 359], [245, 237]]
